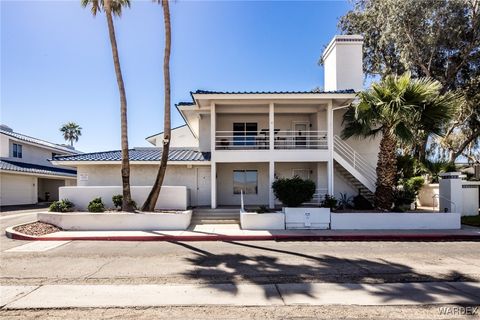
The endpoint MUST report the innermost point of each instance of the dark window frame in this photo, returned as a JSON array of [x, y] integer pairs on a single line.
[[17, 150]]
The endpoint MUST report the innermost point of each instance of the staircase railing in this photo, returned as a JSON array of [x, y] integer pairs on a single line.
[[354, 159]]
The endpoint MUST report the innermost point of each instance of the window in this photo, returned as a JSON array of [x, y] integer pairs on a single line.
[[244, 133], [246, 180], [17, 150]]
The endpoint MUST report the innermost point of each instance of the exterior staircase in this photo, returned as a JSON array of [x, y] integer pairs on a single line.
[[215, 216], [354, 168], [364, 191]]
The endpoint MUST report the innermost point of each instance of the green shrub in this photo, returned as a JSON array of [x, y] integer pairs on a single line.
[[407, 193], [117, 200], [263, 209], [329, 202], [293, 192], [345, 202], [96, 205], [361, 203], [63, 205]]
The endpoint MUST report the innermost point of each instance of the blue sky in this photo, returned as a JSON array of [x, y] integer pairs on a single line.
[[56, 63]]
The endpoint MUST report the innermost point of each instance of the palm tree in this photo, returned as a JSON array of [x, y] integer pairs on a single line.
[[151, 201], [111, 8], [397, 108], [71, 132]]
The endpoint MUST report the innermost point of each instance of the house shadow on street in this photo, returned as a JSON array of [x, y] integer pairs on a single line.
[[351, 273]]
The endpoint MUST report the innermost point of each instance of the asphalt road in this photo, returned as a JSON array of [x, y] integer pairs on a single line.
[[89, 262]]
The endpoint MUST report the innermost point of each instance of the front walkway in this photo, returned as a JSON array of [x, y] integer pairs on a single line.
[[283, 294], [232, 232]]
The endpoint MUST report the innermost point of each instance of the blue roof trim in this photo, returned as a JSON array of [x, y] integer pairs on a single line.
[[139, 154], [9, 165]]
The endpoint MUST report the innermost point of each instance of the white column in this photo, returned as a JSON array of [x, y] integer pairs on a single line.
[[330, 167], [271, 179], [271, 125], [213, 166], [213, 129], [213, 184]]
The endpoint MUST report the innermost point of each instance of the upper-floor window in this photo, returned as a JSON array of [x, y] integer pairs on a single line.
[[244, 133], [17, 150]]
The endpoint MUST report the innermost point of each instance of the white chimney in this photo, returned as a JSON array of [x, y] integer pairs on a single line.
[[343, 62]]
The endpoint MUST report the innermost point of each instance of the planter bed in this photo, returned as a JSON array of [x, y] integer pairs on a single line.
[[394, 221], [262, 221], [89, 221]]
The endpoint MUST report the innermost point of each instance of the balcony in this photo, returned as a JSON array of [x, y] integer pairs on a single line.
[[282, 140]]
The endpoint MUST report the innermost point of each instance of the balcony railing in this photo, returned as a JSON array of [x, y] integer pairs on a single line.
[[283, 139]]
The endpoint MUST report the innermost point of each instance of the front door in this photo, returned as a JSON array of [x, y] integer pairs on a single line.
[[300, 135], [202, 194]]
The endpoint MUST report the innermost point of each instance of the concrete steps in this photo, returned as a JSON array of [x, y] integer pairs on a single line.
[[364, 191], [216, 216]]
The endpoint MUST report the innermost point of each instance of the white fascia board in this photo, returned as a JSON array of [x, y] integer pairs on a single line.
[[89, 163], [49, 176]]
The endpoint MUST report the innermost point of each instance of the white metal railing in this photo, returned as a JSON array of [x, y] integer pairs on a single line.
[[355, 159], [235, 140], [442, 197], [283, 139], [293, 139]]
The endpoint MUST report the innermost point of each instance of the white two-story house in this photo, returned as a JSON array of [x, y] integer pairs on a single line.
[[26, 174], [234, 141]]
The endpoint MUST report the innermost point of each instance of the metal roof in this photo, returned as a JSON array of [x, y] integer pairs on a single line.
[[26, 138], [16, 166], [273, 92], [140, 154]]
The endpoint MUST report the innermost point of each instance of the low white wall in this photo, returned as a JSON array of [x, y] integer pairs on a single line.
[[307, 218], [117, 221], [470, 198], [394, 221], [171, 197], [426, 193], [262, 221]]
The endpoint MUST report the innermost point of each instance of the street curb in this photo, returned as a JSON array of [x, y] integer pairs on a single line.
[[12, 234]]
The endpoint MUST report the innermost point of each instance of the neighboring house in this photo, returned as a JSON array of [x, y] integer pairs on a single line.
[[234, 141], [26, 175]]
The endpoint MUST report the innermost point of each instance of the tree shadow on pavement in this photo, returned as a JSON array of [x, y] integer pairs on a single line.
[[264, 268]]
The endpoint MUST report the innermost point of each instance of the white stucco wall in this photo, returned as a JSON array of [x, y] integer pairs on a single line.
[[368, 148], [182, 137], [225, 194], [17, 189], [204, 133], [144, 175], [4, 146], [170, 197], [343, 64]]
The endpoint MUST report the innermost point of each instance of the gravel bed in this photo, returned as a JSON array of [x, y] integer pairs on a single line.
[[37, 229]]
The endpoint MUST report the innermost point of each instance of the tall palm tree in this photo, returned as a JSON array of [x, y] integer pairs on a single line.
[[111, 8], [397, 108], [71, 132], [151, 201]]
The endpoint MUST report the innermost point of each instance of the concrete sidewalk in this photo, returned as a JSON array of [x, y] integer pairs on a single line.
[[103, 296], [234, 233]]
